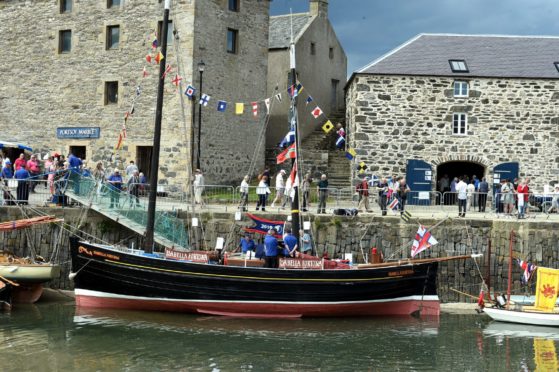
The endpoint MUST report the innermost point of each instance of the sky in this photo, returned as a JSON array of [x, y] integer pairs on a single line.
[[367, 29]]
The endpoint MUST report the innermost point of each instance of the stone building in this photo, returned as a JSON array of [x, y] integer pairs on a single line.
[[77, 64], [321, 66], [459, 105]]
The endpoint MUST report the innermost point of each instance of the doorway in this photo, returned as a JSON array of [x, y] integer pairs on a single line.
[[459, 168], [78, 151], [12, 153], [143, 159]]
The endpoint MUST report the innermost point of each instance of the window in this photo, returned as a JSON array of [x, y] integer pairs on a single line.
[[113, 3], [556, 66], [331, 53], [234, 5], [78, 151], [65, 6], [460, 124], [64, 41], [113, 36], [460, 89], [232, 36], [170, 35], [458, 65], [111, 92], [313, 49]]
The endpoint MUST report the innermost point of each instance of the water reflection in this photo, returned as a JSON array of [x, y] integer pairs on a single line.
[[59, 337]]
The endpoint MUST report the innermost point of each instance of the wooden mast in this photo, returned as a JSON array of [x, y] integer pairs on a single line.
[[295, 214], [153, 178]]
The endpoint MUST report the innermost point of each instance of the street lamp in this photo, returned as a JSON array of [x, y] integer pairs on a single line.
[[201, 66]]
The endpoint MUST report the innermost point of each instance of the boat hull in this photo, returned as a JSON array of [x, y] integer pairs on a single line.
[[523, 317], [110, 278], [29, 273]]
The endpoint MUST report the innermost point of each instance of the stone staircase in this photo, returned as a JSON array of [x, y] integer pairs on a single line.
[[320, 156]]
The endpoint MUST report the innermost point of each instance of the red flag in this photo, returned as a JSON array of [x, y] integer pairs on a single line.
[[119, 143], [145, 73], [123, 131], [148, 58], [159, 57], [288, 153], [167, 70]]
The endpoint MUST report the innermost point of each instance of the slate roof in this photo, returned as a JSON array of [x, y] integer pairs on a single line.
[[485, 56], [280, 29]]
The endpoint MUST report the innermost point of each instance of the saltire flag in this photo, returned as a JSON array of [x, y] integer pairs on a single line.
[[177, 80], [393, 204], [267, 103], [309, 100], [167, 70], [405, 215], [221, 106], [350, 154], [254, 108], [528, 270], [327, 127], [340, 142], [145, 72], [288, 153], [239, 108], [190, 91], [423, 240], [546, 289], [159, 57], [204, 99], [278, 97], [288, 139], [316, 112]]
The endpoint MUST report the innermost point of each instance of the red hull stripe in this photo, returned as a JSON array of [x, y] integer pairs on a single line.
[[400, 306]]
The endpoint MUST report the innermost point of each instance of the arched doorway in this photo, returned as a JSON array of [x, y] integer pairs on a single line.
[[459, 168]]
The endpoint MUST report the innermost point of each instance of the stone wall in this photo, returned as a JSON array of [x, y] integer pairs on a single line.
[[43, 89], [395, 118], [538, 242]]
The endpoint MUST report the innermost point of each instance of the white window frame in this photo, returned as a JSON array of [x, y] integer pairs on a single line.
[[458, 65], [459, 115], [461, 84]]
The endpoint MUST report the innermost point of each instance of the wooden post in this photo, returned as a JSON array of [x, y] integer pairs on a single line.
[[510, 268]]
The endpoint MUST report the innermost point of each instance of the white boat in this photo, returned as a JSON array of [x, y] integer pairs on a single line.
[[523, 317], [29, 273], [499, 329]]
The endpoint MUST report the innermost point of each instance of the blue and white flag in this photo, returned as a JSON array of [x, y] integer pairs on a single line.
[[221, 106], [190, 91], [309, 100], [340, 142], [288, 139], [204, 99]]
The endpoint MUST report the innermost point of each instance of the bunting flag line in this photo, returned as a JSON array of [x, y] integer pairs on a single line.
[[288, 153], [316, 112], [239, 108], [254, 108], [221, 106], [423, 240], [119, 142], [204, 99], [327, 127], [406, 216], [309, 100], [350, 154], [267, 103], [190, 91], [148, 58], [123, 131], [278, 97], [167, 70], [177, 80]]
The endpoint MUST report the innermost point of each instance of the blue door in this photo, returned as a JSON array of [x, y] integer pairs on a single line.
[[419, 178], [502, 171]]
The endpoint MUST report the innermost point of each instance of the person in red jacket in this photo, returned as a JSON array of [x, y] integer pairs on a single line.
[[363, 190], [20, 162], [522, 198]]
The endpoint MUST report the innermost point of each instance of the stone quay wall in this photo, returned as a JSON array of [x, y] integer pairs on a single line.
[[395, 118], [537, 242]]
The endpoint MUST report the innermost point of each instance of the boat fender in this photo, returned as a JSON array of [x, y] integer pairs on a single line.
[[225, 260]]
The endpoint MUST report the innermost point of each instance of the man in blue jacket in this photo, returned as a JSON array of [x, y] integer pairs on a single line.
[[271, 250]]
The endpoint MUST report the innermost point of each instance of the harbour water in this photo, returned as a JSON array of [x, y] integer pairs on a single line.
[[59, 337]]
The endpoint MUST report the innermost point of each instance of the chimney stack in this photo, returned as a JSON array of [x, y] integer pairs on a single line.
[[319, 8]]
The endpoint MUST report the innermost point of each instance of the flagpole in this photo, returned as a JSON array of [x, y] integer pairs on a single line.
[[153, 178], [295, 214]]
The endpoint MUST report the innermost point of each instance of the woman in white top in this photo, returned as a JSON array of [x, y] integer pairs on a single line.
[[262, 191], [198, 187], [244, 194]]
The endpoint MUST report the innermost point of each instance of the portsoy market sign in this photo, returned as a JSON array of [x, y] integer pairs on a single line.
[[78, 132]]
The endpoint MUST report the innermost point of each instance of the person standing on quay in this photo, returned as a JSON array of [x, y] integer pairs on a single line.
[[322, 189], [462, 190], [22, 192], [483, 189], [363, 190], [198, 187], [262, 190], [271, 249], [115, 180], [306, 188], [244, 194], [280, 189]]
